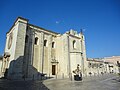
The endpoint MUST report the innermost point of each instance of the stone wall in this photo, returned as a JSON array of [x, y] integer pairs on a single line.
[[30, 59], [16, 51]]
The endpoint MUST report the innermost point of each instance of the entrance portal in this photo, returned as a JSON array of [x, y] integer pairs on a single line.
[[53, 69]]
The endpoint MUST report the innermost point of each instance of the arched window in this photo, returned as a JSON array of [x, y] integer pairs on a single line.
[[53, 44], [45, 43], [26, 39], [36, 41], [82, 37], [74, 44]]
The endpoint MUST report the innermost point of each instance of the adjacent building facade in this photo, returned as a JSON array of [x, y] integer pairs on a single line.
[[112, 63], [99, 66], [96, 66], [32, 51]]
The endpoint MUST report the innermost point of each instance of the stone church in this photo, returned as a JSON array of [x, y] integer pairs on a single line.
[[32, 51]]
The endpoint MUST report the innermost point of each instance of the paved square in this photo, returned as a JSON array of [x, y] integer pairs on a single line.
[[105, 82]]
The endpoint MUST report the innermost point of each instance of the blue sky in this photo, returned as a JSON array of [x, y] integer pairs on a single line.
[[99, 18]]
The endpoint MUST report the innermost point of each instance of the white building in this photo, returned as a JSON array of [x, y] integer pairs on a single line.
[[112, 63], [31, 50], [96, 66]]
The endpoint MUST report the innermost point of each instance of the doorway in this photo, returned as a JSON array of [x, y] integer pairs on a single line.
[[53, 69]]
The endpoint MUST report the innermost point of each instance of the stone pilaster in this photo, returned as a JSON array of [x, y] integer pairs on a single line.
[[49, 53], [19, 50], [41, 66]]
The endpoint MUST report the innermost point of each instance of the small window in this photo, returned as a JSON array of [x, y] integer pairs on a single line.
[[74, 44], [36, 40], [53, 44], [26, 39], [45, 43]]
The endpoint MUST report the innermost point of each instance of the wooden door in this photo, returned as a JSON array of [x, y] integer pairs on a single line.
[[53, 69]]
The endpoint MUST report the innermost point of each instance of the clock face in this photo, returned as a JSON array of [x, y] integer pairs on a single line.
[[10, 40]]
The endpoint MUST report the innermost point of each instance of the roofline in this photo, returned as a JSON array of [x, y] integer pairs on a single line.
[[73, 36], [30, 25], [16, 21], [95, 60], [43, 28], [22, 18]]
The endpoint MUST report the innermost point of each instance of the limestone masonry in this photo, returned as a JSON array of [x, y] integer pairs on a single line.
[[32, 51]]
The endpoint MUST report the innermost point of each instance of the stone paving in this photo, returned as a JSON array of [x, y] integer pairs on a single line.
[[22, 85], [105, 82]]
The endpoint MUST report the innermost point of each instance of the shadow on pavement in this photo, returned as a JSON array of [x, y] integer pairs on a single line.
[[22, 85]]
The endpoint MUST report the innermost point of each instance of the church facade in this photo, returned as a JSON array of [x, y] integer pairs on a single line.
[[31, 51]]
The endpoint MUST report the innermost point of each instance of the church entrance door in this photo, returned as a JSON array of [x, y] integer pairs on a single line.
[[53, 69]]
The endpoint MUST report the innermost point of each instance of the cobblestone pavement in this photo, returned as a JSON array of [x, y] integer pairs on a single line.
[[105, 82], [22, 85]]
